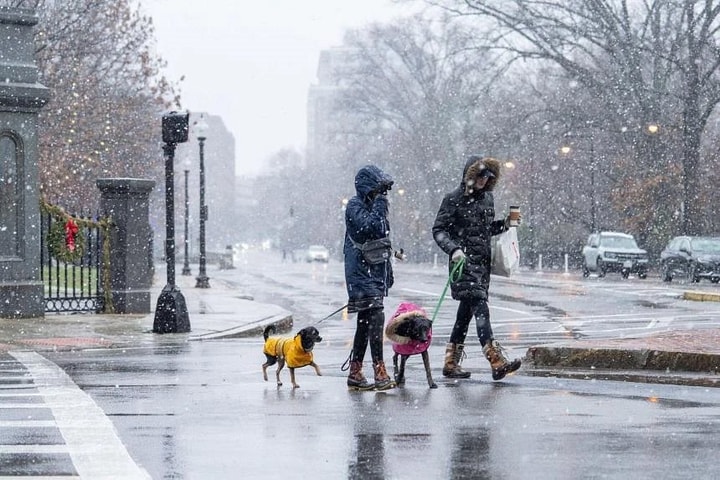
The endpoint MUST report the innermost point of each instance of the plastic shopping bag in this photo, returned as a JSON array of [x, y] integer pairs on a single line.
[[506, 254]]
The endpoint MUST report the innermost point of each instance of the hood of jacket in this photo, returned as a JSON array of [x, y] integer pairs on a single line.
[[474, 165], [368, 179]]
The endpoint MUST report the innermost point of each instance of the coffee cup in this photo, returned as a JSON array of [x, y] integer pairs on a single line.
[[514, 215]]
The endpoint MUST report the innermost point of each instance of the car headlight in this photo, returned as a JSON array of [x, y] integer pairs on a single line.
[[610, 255]]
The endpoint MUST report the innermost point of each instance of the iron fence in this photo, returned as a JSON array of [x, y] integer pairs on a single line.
[[72, 284]]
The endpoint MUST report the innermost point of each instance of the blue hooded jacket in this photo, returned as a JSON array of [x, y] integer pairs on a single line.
[[366, 219]]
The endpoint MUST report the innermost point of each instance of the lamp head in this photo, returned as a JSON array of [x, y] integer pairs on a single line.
[[201, 128]]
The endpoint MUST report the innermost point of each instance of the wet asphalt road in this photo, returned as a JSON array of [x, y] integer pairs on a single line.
[[200, 410]]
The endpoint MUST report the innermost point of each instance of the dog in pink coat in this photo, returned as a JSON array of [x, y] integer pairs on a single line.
[[410, 332]]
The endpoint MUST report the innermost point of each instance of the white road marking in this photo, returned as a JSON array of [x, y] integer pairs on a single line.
[[91, 440]]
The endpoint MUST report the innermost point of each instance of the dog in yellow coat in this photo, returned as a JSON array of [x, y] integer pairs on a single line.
[[296, 352]]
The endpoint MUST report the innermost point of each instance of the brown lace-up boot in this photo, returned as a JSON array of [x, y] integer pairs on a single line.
[[382, 379], [356, 380], [454, 353], [500, 365]]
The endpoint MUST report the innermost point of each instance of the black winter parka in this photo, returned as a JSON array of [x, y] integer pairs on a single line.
[[466, 220]]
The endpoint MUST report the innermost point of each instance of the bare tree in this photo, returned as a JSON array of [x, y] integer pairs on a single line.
[[411, 93], [646, 62], [107, 93]]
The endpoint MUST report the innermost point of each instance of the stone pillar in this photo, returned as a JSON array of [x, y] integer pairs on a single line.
[[125, 201], [21, 98]]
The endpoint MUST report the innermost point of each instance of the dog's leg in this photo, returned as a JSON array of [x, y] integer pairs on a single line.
[[269, 363], [426, 362], [317, 369], [401, 374], [292, 378], [395, 367], [281, 364]]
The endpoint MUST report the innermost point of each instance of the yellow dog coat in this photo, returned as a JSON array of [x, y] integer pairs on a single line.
[[290, 349]]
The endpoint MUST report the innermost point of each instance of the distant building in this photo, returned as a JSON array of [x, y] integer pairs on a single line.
[[322, 104]]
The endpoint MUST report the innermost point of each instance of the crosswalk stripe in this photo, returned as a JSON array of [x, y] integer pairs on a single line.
[[91, 440]]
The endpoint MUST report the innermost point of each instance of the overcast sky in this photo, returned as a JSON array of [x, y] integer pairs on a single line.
[[251, 61]]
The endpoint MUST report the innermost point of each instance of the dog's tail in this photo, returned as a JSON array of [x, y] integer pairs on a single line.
[[269, 330]]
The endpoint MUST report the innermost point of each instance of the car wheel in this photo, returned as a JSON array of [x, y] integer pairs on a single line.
[[601, 268], [625, 273], [642, 275], [666, 275], [715, 279]]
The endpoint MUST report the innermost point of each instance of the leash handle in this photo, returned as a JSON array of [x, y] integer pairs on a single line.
[[454, 276]]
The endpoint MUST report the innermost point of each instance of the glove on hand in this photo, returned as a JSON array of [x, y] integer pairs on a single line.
[[457, 255]]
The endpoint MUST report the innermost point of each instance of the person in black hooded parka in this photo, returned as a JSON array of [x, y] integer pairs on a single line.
[[462, 229], [367, 283]]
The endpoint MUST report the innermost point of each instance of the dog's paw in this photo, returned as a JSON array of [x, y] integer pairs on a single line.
[[296, 386]]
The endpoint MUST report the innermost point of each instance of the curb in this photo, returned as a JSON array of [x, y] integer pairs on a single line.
[[701, 296], [622, 359], [283, 323]]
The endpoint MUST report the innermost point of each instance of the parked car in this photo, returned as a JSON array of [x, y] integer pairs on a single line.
[[692, 258], [317, 253], [614, 252]]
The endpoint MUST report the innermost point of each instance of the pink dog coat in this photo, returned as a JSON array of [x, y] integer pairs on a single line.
[[404, 345]]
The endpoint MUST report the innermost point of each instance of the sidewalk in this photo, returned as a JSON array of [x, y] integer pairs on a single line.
[[217, 312], [680, 357]]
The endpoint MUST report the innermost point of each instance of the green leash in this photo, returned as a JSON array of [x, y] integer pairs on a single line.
[[454, 276]]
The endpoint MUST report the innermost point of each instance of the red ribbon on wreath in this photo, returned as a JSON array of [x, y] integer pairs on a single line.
[[71, 231]]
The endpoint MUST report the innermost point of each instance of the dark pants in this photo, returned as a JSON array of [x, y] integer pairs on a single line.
[[369, 330], [467, 309]]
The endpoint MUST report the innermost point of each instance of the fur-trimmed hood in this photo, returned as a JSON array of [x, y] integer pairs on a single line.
[[476, 164], [405, 345]]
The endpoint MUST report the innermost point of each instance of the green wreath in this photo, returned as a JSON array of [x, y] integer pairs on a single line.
[[58, 245]]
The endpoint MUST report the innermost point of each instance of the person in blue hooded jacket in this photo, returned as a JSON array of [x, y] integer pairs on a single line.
[[368, 280]]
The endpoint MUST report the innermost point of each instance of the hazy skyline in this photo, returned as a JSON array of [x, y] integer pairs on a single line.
[[252, 62]]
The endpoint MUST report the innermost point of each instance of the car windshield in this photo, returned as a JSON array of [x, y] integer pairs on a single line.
[[710, 245], [619, 242]]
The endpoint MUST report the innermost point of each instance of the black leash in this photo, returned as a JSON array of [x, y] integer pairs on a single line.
[[333, 313]]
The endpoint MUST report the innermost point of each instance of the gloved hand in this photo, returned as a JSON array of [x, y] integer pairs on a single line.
[[457, 255]]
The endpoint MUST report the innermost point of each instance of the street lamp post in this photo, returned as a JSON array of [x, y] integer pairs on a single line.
[[201, 131], [171, 315], [186, 266]]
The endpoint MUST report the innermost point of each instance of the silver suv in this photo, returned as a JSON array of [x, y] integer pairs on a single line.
[[614, 252]]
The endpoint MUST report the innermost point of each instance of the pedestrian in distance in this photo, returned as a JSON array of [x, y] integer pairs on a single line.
[[368, 273], [463, 228]]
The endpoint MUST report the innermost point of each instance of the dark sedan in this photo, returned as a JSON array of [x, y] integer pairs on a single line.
[[691, 258]]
